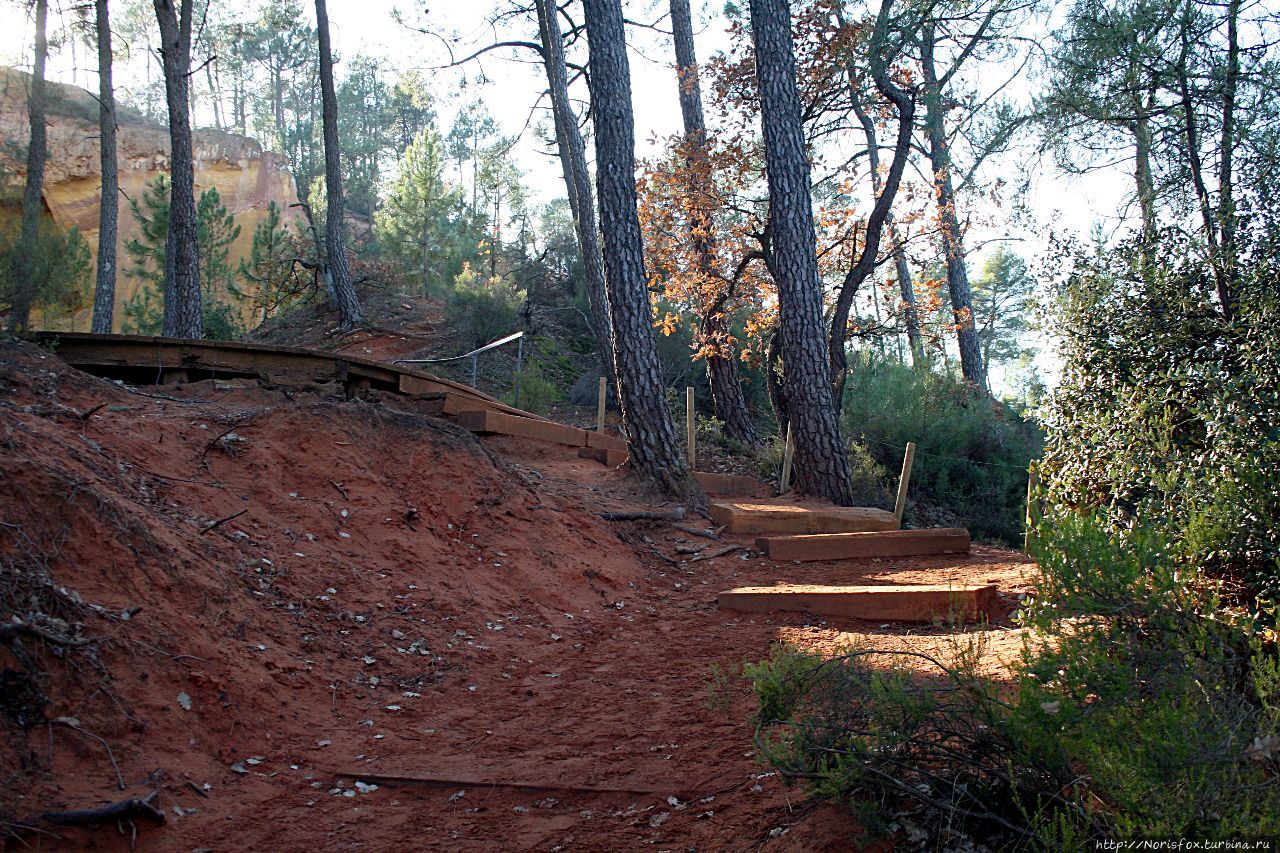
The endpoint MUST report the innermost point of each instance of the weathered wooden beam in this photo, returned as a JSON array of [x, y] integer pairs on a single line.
[[732, 485], [489, 421], [845, 546], [605, 456], [786, 517], [877, 603]]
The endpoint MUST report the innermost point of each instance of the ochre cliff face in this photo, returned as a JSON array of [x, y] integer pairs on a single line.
[[246, 177]]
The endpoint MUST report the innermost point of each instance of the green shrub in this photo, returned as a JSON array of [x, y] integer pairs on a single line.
[[972, 452], [768, 457], [536, 392], [710, 429], [144, 315], [482, 310], [221, 321], [61, 276], [1167, 410], [1142, 709]]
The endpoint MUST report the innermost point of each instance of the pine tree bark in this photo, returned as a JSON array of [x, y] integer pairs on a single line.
[[655, 449], [722, 367], [948, 219], [577, 178], [821, 465], [910, 311], [349, 314], [104, 294], [24, 289], [183, 315]]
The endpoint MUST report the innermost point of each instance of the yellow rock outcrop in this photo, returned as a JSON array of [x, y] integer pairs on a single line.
[[246, 177]]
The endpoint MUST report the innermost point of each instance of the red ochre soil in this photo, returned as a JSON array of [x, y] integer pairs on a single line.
[[397, 598]]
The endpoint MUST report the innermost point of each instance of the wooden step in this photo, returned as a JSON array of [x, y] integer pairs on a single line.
[[790, 517], [489, 421], [605, 456], [843, 546], [726, 484], [605, 441], [439, 403], [452, 401], [883, 603]]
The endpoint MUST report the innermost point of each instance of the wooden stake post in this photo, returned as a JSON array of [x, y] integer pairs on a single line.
[[1033, 481], [788, 456], [691, 426], [907, 460], [604, 388]]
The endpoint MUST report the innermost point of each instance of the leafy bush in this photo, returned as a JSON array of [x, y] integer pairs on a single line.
[[1141, 710], [482, 309], [62, 273], [972, 453], [221, 321], [1168, 409], [144, 315], [711, 430], [1153, 682], [536, 393]]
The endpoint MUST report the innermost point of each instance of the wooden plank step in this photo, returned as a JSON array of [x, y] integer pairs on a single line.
[[605, 456], [733, 485], [489, 421], [883, 603], [843, 546], [605, 441], [790, 517], [452, 402]]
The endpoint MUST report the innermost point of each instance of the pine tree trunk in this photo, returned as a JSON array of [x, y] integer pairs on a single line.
[[1227, 214], [911, 318], [24, 288], [577, 178], [885, 191], [349, 314], [911, 312], [722, 367], [949, 221], [655, 449], [183, 317], [104, 295], [821, 465]]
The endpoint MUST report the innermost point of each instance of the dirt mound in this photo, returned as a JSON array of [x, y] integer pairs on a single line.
[[209, 552]]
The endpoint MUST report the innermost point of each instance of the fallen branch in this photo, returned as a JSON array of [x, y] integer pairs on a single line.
[[341, 490], [223, 521], [147, 470], [691, 549], [84, 416], [693, 531], [672, 560], [481, 784], [74, 724], [224, 434], [10, 630], [719, 552], [670, 515], [123, 810]]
